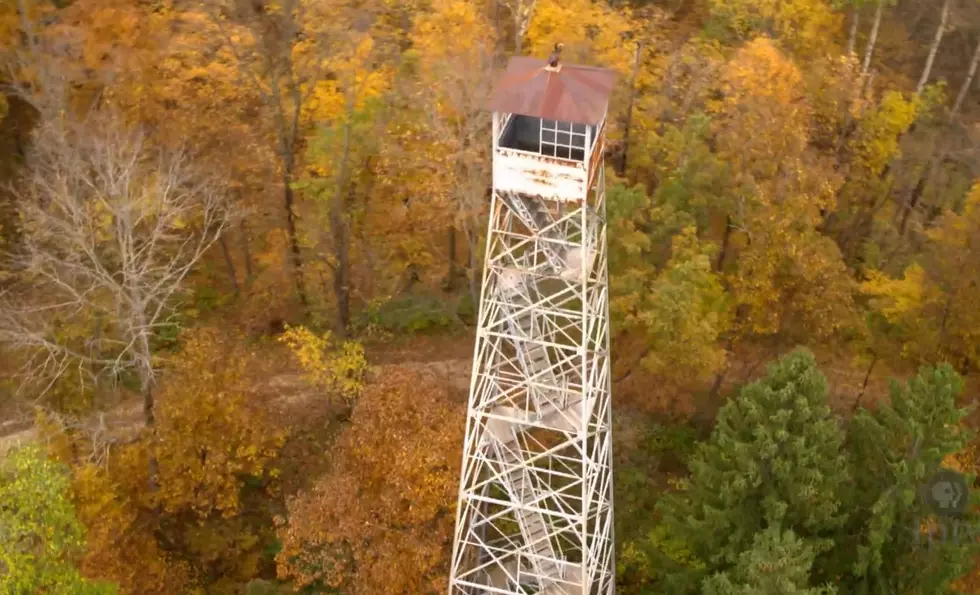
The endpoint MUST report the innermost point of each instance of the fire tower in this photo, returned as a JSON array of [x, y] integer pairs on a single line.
[[535, 502]]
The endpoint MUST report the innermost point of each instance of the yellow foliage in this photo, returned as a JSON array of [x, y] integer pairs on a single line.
[[339, 369], [593, 33], [808, 27], [208, 434], [121, 544], [762, 120], [354, 83]]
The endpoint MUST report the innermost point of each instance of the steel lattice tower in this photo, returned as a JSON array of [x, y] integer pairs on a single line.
[[535, 502]]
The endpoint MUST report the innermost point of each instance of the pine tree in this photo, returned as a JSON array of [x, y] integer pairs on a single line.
[[773, 460], [895, 450], [778, 564]]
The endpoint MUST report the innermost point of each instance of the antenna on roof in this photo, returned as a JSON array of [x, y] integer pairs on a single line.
[[554, 57]]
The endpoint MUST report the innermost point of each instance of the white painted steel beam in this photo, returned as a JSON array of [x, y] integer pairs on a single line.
[[534, 513]]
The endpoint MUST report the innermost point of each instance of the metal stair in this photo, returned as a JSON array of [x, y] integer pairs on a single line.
[[534, 214], [552, 406]]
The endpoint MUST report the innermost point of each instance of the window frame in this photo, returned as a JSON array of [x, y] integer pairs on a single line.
[[562, 139]]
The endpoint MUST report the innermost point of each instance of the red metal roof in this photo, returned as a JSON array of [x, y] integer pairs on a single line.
[[574, 93]]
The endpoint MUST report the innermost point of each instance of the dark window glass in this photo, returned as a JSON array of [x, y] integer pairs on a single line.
[[578, 141], [578, 154], [548, 150], [548, 124], [562, 152], [564, 138], [564, 127], [548, 136], [580, 128]]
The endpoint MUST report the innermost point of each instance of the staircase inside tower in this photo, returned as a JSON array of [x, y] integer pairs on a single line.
[[551, 406]]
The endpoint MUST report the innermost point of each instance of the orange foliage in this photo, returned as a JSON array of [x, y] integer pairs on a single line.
[[170, 532], [208, 434], [381, 520]]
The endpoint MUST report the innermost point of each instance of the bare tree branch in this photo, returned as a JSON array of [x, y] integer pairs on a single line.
[[112, 228]]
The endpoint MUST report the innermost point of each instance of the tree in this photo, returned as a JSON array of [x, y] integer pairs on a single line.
[[679, 307], [210, 436], [934, 48], [279, 50], [454, 47], [785, 269], [204, 522], [774, 460], [777, 564], [42, 537], [349, 112], [931, 308], [895, 450], [336, 368], [806, 27], [381, 520], [112, 227]]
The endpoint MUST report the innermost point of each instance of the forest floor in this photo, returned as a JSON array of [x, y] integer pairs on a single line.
[[289, 397]]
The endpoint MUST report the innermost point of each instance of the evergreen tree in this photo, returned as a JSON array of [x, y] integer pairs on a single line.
[[778, 564], [895, 450], [773, 460]]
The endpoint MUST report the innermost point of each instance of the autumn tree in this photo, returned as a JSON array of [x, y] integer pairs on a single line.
[[112, 228], [807, 27], [42, 536], [454, 56], [786, 271], [680, 306], [381, 520], [279, 49], [348, 112], [931, 308], [196, 525]]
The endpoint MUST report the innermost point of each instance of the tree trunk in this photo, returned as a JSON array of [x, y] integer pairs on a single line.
[[288, 199], [940, 31], [453, 272], [629, 110], [852, 37], [725, 241], [232, 275], [964, 90], [475, 275], [341, 273], [146, 381], [864, 385], [339, 232], [911, 199], [872, 39], [246, 254]]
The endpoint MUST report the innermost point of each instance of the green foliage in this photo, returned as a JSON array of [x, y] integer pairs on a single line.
[[655, 461], [777, 564], [41, 533], [779, 502], [681, 308], [895, 450], [409, 314], [774, 459]]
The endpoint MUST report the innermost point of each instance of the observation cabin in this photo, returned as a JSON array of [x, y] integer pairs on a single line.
[[549, 127]]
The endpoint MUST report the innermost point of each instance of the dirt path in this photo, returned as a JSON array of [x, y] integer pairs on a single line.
[[285, 395]]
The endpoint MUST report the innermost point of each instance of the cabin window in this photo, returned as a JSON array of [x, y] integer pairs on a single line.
[[552, 138]]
